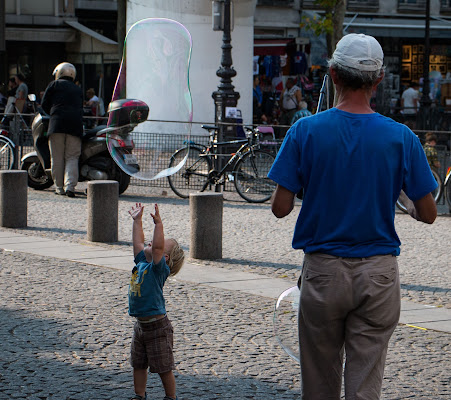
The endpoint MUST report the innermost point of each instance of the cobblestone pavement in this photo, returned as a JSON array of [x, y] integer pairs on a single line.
[[65, 334], [253, 239]]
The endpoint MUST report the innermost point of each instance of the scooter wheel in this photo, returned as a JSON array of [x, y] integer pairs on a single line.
[[37, 178]]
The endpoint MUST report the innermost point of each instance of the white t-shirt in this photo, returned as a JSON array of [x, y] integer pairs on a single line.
[[409, 96]]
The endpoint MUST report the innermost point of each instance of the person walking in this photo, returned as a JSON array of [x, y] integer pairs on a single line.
[[352, 164], [63, 100], [290, 100], [410, 101]]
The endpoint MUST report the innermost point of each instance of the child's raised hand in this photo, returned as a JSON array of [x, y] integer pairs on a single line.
[[137, 211], [156, 216]]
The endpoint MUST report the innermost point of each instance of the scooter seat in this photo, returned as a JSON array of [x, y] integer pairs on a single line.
[[88, 134]]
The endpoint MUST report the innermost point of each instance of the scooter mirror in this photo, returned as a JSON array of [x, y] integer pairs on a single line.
[[32, 97]]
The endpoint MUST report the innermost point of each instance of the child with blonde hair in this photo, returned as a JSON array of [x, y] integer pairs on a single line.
[[152, 341]]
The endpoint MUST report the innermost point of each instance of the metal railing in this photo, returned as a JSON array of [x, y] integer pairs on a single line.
[[168, 143]]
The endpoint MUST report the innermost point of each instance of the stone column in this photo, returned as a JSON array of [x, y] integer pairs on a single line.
[[103, 202], [13, 199], [206, 225]]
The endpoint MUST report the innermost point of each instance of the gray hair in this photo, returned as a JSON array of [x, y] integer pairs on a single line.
[[353, 78]]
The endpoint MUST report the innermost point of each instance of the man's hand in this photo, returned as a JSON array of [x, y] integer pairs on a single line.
[[137, 211]]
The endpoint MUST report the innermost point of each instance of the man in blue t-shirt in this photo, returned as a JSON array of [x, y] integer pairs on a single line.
[[352, 164]]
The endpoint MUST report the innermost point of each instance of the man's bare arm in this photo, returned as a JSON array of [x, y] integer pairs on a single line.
[[423, 210], [282, 202]]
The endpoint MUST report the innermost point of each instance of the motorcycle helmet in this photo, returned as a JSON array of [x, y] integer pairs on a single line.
[[65, 69]]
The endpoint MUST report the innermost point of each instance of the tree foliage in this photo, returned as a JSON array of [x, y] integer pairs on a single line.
[[330, 22]]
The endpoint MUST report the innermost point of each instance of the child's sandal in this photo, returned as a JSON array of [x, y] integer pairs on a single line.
[[138, 397]]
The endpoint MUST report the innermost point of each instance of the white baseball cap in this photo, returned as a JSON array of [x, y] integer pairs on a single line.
[[359, 51]]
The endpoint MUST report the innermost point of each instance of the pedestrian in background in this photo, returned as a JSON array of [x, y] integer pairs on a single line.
[[290, 100], [410, 103], [431, 151], [303, 112], [257, 96], [153, 334], [63, 100], [22, 88], [352, 164], [18, 93]]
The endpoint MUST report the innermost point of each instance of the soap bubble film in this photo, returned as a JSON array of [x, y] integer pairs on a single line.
[[151, 105], [286, 322]]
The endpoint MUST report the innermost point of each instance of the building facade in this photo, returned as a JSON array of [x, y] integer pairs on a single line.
[[38, 35]]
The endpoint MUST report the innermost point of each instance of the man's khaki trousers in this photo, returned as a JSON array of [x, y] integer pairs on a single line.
[[349, 305], [65, 151]]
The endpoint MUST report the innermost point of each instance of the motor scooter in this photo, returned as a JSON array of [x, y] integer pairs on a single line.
[[96, 162]]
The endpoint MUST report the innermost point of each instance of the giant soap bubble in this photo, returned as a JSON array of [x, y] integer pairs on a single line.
[[286, 321], [154, 72]]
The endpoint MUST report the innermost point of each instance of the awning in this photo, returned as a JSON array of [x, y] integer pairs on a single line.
[[90, 32], [271, 47], [64, 35], [397, 27]]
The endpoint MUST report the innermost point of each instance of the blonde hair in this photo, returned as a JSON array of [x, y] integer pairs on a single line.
[[430, 136], [176, 258]]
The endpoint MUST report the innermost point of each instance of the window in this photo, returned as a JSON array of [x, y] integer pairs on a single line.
[[275, 3], [363, 4], [445, 6], [411, 5]]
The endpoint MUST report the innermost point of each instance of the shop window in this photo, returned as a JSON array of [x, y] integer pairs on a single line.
[[445, 6], [406, 5], [363, 4], [275, 3], [310, 4]]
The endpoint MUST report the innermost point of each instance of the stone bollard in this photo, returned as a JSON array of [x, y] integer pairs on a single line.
[[103, 202], [13, 199], [206, 225]]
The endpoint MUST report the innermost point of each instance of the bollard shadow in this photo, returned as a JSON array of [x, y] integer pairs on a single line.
[[422, 288], [275, 265], [53, 229], [50, 358]]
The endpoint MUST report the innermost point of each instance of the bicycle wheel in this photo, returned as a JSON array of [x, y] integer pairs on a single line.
[[250, 176], [193, 176], [437, 193], [6, 154]]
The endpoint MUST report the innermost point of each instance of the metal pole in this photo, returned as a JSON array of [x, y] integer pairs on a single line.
[[225, 96], [424, 116], [322, 92]]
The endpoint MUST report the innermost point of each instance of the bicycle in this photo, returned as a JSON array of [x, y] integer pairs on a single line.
[[250, 167], [437, 193], [7, 147]]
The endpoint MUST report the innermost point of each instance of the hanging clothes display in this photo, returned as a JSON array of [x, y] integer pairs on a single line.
[[300, 64]]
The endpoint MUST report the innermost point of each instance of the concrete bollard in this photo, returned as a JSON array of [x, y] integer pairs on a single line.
[[206, 225], [103, 202], [13, 199]]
